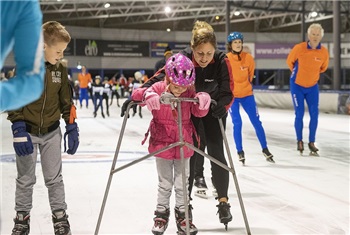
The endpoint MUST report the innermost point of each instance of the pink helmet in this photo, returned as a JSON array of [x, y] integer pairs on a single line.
[[180, 70]]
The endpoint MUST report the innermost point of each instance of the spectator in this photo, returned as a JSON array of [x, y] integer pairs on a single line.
[[161, 63]]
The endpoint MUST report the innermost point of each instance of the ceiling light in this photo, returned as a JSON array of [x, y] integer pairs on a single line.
[[237, 13], [217, 17], [167, 9], [107, 5], [168, 29], [313, 14]]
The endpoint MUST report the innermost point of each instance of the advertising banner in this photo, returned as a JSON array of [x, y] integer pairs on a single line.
[[106, 48], [344, 50], [158, 48], [272, 50]]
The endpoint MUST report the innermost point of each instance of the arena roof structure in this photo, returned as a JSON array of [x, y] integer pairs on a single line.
[[244, 16]]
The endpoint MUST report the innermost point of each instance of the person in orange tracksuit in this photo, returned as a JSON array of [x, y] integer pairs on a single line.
[[306, 61], [242, 65], [84, 80]]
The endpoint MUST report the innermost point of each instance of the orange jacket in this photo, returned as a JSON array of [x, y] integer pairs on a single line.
[[242, 73], [84, 80], [307, 63]]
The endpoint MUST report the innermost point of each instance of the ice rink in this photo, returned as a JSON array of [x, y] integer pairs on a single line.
[[296, 195]]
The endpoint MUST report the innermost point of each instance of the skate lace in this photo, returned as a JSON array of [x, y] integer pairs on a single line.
[[61, 227], [223, 209], [19, 228], [313, 147], [159, 222], [183, 224]]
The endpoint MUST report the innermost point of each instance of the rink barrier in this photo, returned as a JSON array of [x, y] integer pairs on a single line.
[[181, 143], [330, 101]]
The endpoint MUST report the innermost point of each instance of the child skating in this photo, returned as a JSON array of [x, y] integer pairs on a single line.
[[179, 82]]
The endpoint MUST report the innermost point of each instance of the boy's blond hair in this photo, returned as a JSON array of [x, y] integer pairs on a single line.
[[54, 32]]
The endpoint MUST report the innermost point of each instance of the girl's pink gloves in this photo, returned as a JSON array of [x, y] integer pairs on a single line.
[[152, 101], [203, 100]]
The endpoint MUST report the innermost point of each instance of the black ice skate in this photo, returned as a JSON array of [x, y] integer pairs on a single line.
[[268, 155], [181, 222], [241, 157], [160, 222], [202, 188], [300, 147], [224, 213], [60, 223], [313, 149], [21, 224]]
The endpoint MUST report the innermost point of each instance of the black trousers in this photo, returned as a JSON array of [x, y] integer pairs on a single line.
[[215, 148], [199, 159]]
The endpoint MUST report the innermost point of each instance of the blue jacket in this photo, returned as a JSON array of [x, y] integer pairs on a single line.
[[21, 23]]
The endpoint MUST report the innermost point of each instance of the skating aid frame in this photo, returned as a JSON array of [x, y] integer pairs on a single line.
[[180, 143]]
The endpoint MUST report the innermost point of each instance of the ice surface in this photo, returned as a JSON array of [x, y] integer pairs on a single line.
[[297, 195]]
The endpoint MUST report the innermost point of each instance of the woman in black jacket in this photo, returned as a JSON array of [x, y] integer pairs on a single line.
[[213, 75]]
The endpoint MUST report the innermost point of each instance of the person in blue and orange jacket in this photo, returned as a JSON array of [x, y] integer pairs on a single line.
[[243, 65], [84, 79], [306, 61]]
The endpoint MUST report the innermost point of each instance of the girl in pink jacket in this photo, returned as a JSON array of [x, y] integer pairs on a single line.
[[179, 82]]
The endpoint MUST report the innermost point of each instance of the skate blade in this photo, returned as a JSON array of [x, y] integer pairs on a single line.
[[315, 154], [242, 160], [201, 194], [270, 159], [184, 233], [157, 233]]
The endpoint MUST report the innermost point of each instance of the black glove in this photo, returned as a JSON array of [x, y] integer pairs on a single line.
[[218, 110], [124, 107]]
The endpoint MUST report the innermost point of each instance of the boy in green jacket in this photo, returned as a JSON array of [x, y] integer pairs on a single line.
[[36, 127]]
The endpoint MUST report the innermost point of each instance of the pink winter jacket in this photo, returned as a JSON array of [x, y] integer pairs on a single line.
[[163, 126]]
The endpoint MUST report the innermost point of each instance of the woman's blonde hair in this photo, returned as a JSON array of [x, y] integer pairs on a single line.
[[202, 32]]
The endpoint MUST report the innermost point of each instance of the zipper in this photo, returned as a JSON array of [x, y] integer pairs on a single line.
[[44, 102]]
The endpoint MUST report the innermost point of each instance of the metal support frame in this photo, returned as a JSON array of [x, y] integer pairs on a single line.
[[182, 144]]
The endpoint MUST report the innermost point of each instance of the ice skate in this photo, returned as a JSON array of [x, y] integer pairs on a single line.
[[268, 155], [201, 186], [241, 157], [160, 222], [60, 223], [300, 147], [313, 149], [181, 222], [224, 213], [21, 224]]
